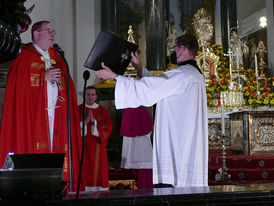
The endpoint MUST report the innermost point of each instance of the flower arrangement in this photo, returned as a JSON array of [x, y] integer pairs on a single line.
[[221, 83], [265, 95]]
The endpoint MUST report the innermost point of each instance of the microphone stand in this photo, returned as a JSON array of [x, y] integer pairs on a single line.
[[62, 55], [86, 77]]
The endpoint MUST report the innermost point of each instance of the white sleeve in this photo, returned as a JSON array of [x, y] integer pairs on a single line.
[[147, 91], [94, 129]]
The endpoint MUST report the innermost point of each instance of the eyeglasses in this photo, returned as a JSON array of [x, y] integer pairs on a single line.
[[48, 30], [175, 47]]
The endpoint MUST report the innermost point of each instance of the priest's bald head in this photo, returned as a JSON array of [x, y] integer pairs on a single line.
[[42, 34], [186, 47]]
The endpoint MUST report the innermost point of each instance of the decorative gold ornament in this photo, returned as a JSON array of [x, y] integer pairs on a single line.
[[157, 72], [130, 71], [232, 98], [52, 61], [130, 37], [203, 27], [107, 83], [207, 61], [261, 140]]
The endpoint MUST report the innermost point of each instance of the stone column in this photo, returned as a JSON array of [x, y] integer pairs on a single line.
[[228, 19], [110, 16], [270, 35], [155, 34]]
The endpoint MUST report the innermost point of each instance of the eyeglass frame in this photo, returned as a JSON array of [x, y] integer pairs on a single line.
[[176, 46], [48, 30]]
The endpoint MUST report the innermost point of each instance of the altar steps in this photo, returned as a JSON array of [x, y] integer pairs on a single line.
[[244, 169]]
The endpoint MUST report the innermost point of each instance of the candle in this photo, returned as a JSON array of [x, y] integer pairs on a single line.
[[237, 58], [203, 58], [256, 66], [223, 118], [256, 71], [237, 63], [230, 70]]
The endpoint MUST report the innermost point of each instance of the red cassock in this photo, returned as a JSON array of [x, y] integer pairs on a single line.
[[95, 164], [25, 125]]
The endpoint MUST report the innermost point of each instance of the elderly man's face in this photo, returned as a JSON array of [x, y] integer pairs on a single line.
[[91, 96], [44, 36]]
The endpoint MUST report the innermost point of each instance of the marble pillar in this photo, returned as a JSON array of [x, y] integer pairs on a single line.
[[110, 16], [155, 34]]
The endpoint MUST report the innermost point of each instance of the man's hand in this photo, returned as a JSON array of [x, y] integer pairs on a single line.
[[91, 117], [88, 117], [105, 73], [53, 75], [136, 63]]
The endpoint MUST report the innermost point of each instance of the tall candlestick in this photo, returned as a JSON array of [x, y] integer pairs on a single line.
[[256, 72], [204, 58], [223, 118]]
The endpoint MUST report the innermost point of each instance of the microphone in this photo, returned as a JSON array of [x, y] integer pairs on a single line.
[[86, 75], [58, 49]]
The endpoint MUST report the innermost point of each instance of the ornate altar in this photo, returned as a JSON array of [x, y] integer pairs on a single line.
[[252, 132]]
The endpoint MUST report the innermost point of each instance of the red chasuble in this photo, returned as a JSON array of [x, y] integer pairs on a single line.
[[25, 125], [95, 164]]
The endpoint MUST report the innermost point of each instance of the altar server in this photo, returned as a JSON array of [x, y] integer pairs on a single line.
[[180, 143]]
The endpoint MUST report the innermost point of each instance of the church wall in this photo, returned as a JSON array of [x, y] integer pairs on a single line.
[[253, 10], [88, 21], [77, 24], [59, 13]]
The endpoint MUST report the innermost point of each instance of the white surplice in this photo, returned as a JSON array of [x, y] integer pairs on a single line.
[[137, 152], [180, 142]]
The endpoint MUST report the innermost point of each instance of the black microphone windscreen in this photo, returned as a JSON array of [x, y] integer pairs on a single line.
[[86, 75], [58, 49], [55, 46]]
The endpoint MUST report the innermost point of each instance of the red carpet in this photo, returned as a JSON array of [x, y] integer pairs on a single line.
[[244, 169]]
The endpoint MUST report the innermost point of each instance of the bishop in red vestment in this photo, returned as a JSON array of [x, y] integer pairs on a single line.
[[34, 118], [98, 130]]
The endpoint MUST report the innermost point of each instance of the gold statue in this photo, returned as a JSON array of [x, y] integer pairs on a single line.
[[130, 71], [261, 51], [130, 37]]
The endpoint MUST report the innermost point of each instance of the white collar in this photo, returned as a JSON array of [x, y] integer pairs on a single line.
[[95, 105], [41, 51]]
